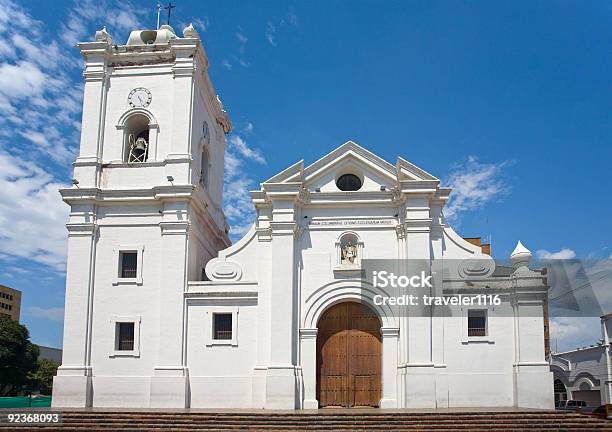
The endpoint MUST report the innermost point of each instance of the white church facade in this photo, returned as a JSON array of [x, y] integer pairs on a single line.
[[161, 311]]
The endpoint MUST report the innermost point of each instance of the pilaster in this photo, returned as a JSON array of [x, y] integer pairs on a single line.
[[390, 342], [95, 87], [533, 380], [417, 226], [178, 159], [308, 361], [281, 390], [72, 385], [170, 376]]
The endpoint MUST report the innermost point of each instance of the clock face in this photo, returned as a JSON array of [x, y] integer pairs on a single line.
[[139, 98]]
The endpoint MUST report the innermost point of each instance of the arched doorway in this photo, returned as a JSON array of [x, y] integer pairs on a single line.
[[349, 356], [560, 392]]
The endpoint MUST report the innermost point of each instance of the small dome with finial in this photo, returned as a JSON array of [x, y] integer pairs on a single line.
[[520, 256], [103, 36], [190, 32]]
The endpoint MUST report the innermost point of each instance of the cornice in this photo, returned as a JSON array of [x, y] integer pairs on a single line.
[[77, 229], [283, 228], [174, 227], [159, 193]]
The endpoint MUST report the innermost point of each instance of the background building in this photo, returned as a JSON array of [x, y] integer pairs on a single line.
[[10, 302], [585, 373], [49, 353]]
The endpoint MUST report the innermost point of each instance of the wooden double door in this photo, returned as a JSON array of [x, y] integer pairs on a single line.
[[349, 356]]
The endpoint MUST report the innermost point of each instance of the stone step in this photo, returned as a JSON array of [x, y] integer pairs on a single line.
[[264, 417], [265, 421], [330, 421], [219, 429]]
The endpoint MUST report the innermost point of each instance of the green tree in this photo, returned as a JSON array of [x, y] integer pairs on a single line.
[[18, 356], [42, 378]]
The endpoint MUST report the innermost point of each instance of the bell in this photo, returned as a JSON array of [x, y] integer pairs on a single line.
[[141, 144]]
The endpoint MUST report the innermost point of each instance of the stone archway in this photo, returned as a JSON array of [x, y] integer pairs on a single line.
[[349, 356], [324, 298], [560, 391]]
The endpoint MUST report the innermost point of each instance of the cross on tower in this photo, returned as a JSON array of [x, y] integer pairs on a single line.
[[168, 8]]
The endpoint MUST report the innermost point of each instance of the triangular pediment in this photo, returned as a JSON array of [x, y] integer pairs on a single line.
[[350, 157], [294, 173], [409, 171], [350, 152]]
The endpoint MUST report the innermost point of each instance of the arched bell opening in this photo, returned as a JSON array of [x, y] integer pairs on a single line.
[[137, 140]]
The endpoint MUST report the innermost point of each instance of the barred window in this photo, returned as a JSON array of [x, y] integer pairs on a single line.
[[124, 336], [129, 264], [477, 323], [222, 326]]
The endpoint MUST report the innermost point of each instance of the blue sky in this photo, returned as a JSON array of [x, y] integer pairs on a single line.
[[508, 102]]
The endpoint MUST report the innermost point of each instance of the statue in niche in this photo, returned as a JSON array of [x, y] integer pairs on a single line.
[[349, 253]]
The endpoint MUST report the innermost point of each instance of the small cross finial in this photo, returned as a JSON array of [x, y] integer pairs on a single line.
[[169, 8]]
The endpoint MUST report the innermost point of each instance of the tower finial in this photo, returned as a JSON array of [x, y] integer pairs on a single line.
[[520, 256], [169, 8], [190, 32], [103, 36]]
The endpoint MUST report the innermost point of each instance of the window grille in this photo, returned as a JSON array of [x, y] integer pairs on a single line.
[[125, 336], [129, 264], [222, 326], [477, 323]]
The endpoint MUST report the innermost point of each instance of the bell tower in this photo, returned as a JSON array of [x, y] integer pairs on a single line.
[[146, 216]]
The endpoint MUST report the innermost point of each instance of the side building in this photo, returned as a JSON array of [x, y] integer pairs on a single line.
[[10, 302], [585, 373]]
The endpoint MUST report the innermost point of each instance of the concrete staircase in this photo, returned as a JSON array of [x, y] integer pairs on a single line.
[[321, 420]]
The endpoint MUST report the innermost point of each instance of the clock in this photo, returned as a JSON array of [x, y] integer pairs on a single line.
[[140, 98]]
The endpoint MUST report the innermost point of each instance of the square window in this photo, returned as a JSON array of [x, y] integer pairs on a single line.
[[222, 326], [128, 265], [477, 323], [124, 336]]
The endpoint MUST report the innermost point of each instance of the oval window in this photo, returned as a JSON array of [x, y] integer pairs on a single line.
[[348, 182]]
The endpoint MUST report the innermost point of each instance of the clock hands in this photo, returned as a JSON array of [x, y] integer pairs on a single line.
[[139, 97]]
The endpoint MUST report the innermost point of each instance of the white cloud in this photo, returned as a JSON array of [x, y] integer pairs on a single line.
[[270, 32], [238, 231], [21, 80], [118, 17], [239, 57], [237, 199], [564, 253], [201, 24], [474, 185], [40, 106], [285, 23], [248, 128], [32, 214], [567, 333], [241, 146], [242, 39], [292, 17], [52, 313]]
